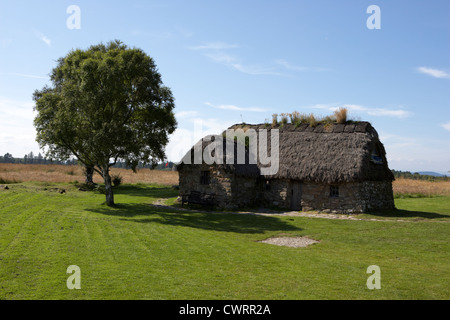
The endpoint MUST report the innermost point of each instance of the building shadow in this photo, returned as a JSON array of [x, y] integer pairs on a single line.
[[398, 213]]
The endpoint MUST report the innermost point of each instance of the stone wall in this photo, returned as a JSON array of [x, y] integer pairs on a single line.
[[277, 193], [377, 195], [233, 192], [353, 197], [230, 191]]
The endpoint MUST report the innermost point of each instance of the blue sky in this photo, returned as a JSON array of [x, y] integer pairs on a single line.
[[233, 61]]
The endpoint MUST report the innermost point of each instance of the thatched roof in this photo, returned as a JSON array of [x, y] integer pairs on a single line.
[[325, 153]]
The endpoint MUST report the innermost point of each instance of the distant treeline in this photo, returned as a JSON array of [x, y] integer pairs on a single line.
[[417, 176], [40, 159]]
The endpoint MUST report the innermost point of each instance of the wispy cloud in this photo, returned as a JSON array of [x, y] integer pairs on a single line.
[[186, 114], [46, 40], [4, 43], [218, 52], [436, 73], [255, 69], [398, 112], [446, 126], [289, 66], [235, 108], [17, 135], [23, 75], [42, 37], [214, 46], [221, 57], [185, 32]]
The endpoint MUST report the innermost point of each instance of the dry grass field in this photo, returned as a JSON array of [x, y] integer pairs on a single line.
[[65, 174], [427, 188]]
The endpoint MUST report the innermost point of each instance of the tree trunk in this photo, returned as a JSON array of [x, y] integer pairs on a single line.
[[108, 188], [89, 173]]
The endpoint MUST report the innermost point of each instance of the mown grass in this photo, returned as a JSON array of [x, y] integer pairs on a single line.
[[138, 251]]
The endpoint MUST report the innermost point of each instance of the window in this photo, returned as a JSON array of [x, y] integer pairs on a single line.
[[334, 191], [267, 185], [204, 177], [375, 157]]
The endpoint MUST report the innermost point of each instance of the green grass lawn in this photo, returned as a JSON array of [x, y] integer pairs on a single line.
[[137, 251]]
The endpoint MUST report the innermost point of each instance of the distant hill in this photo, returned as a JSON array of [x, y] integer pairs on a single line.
[[431, 173], [421, 175]]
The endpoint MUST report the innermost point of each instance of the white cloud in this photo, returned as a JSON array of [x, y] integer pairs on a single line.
[[4, 43], [221, 57], [436, 73], [386, 112], [399, 112], [185, 32], [23, 75], [289, 66], [185, 114], [214, 46], [46, 40], [446, 126], [194, 129], [236, 108], [255, 69], [414, 153], [42, 37], [216, 51], [17, 134]]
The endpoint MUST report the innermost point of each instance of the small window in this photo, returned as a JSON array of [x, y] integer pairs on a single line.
[[204, 178], [267, 185], [375, 157], [334, 191]]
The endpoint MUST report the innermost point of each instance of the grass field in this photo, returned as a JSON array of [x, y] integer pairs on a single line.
[[139, 251], [11, 172]]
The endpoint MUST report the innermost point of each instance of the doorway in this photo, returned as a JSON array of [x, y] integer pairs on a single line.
[[296, 195]]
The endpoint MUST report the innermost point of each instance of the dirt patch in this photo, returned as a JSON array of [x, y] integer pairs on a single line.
[[294, 242]]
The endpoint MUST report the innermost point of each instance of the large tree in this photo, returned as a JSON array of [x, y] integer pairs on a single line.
[[105, 103]]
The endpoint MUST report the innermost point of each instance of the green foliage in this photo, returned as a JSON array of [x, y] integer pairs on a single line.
[[116, 180], [106, 102], [312, 120], [274, 119], [284, 118]]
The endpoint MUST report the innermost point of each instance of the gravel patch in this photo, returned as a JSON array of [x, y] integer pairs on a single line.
[[294, 242]]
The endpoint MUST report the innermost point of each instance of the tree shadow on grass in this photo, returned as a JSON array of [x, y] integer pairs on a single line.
[[414, 215], [146, 191], [227, 222]]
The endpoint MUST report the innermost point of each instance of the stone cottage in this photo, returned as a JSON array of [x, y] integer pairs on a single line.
[[327, 167]]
